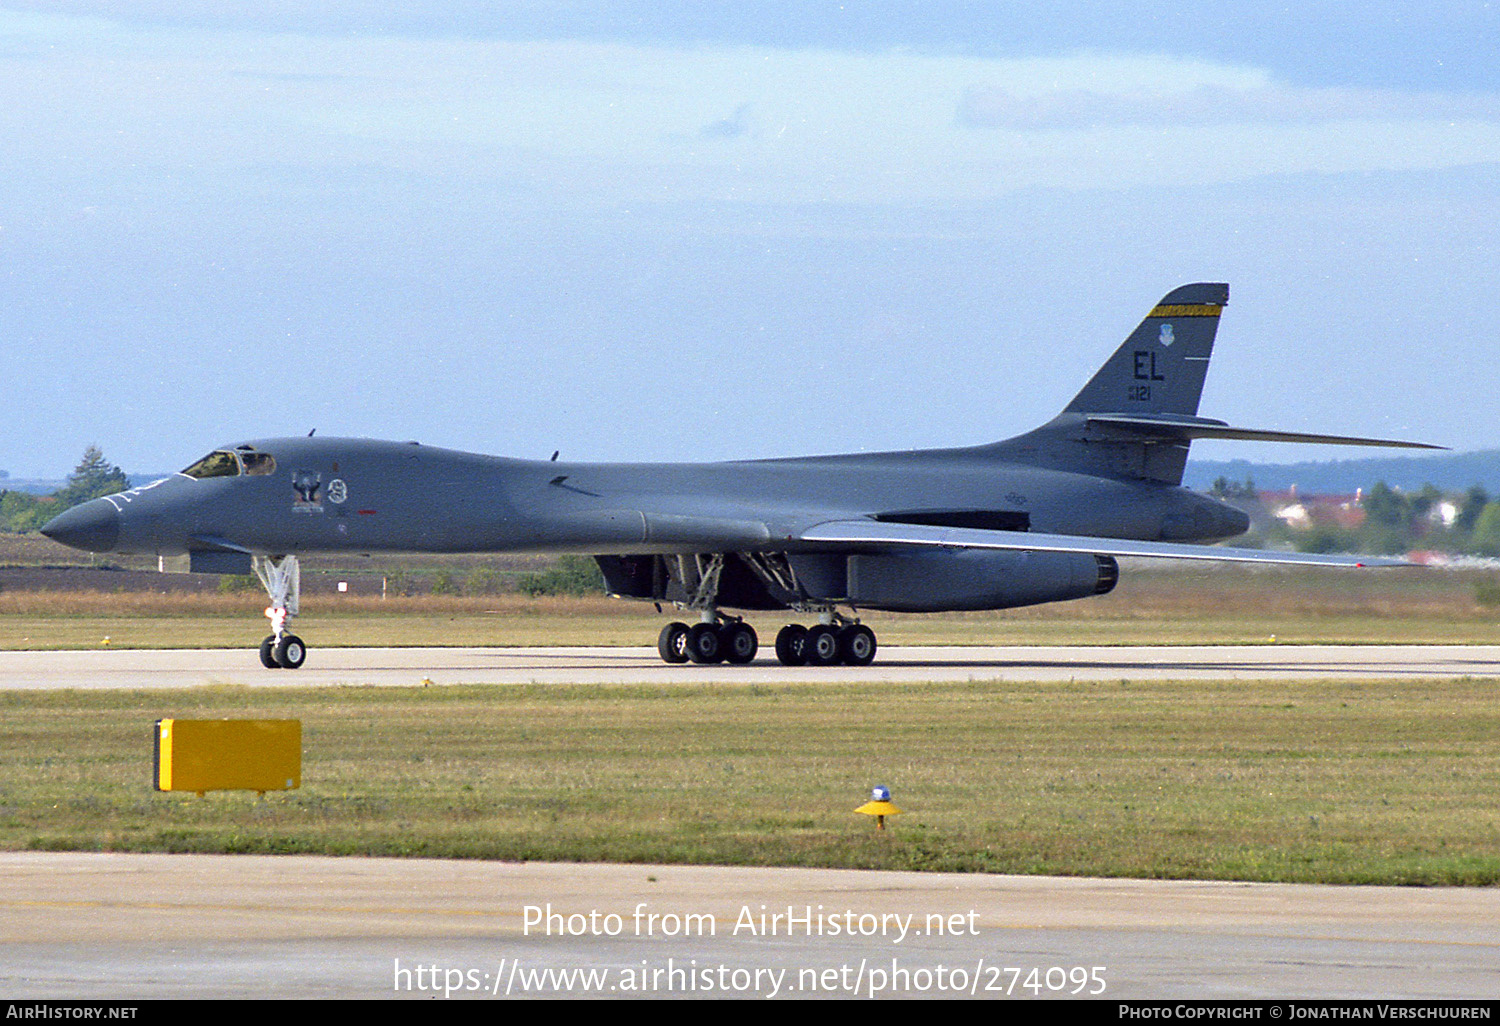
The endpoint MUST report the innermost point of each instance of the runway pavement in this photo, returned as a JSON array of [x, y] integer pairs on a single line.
[[151, 926], [409, 666]]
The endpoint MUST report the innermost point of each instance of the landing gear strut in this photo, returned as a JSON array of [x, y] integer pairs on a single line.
[[283, 581], [718, 637]]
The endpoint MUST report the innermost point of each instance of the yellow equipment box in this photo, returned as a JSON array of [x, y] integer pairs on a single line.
[[218, 755]]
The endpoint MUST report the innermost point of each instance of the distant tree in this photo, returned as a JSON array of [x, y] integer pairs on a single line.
[[482, 580], [1328, 538], [1386, 507], [1474, 501], [20, 511], [1424, 501], [94, 477], [1486, 537], [571, 575], [1223, 488]]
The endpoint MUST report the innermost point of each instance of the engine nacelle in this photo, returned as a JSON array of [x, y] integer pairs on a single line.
[[930, 582]]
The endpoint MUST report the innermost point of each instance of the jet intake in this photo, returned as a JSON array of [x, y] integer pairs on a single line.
[[215, 561]]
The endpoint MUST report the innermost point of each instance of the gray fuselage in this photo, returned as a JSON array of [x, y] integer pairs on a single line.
[[361, 495]]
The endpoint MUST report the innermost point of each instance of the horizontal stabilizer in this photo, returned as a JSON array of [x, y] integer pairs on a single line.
[[1186, 429], [871, 532]]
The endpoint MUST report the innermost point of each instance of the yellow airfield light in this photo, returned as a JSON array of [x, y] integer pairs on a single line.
[[879, 806]]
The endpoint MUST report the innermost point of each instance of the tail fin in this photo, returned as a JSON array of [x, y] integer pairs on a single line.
[[1161, 366], [1139, 413]]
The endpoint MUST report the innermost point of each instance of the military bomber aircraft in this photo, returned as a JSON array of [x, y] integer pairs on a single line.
[[1040, 517]]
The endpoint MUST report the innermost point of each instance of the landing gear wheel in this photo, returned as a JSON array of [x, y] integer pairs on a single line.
[[857, 645], [703, 645], [268, 653], [791, 643], [739, 643], [290, 652], [822, 645], [671, 643]]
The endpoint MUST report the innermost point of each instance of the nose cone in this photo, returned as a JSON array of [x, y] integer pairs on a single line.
[[94, 526]]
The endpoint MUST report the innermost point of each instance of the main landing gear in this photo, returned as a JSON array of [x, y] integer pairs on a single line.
[[281, 650], [718, 637], [826, 644], [722, 639], [729, 639]]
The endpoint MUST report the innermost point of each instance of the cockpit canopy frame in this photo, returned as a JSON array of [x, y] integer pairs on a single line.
[[241, 461]]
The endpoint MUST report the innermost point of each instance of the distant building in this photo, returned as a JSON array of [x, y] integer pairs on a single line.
[[1302, 513], [1443, 513]]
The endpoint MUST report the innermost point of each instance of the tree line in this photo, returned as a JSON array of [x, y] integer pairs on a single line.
[[1394, 522], [94, 477]]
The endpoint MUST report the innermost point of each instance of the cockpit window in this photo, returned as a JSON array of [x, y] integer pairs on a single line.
[[258, 463], [219, 463]]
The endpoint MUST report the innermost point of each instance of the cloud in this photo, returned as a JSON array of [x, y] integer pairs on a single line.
[[997, 107], [568, 122], [730, 127]]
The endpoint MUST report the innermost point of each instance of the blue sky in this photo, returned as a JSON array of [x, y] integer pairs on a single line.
[[693, 231]]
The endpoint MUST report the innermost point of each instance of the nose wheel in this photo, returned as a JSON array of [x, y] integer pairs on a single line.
[[284, 653]]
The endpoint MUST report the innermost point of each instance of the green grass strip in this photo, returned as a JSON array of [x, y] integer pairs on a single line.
[[1343, 782]]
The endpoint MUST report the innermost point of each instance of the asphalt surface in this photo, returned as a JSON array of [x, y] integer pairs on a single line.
[[180, 668], [152, 926]]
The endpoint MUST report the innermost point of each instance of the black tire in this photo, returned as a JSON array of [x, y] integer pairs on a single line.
[[703, 644], [857, 645], [791, 644], [739, 642], [290, 652], [822, 645], [671, 643], [268, 653]]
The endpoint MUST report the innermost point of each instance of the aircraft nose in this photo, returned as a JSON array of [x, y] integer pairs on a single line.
[[93, 526]]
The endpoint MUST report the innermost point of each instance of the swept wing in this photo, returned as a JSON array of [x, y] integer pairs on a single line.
[[877, 534]]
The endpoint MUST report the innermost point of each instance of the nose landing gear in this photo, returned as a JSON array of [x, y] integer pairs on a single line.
[[283, 582]]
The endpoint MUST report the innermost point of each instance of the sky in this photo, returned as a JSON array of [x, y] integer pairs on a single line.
[[689, 231]]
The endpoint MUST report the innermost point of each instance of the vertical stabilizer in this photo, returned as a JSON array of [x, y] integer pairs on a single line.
[[1161, 366]]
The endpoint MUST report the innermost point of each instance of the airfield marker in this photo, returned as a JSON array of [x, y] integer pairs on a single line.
[[879, 806]]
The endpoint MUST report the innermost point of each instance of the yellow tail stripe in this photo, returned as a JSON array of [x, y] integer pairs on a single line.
[[1188, 310]]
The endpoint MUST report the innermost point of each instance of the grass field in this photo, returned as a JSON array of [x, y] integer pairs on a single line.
[[1334, 782], [1222, 605]]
